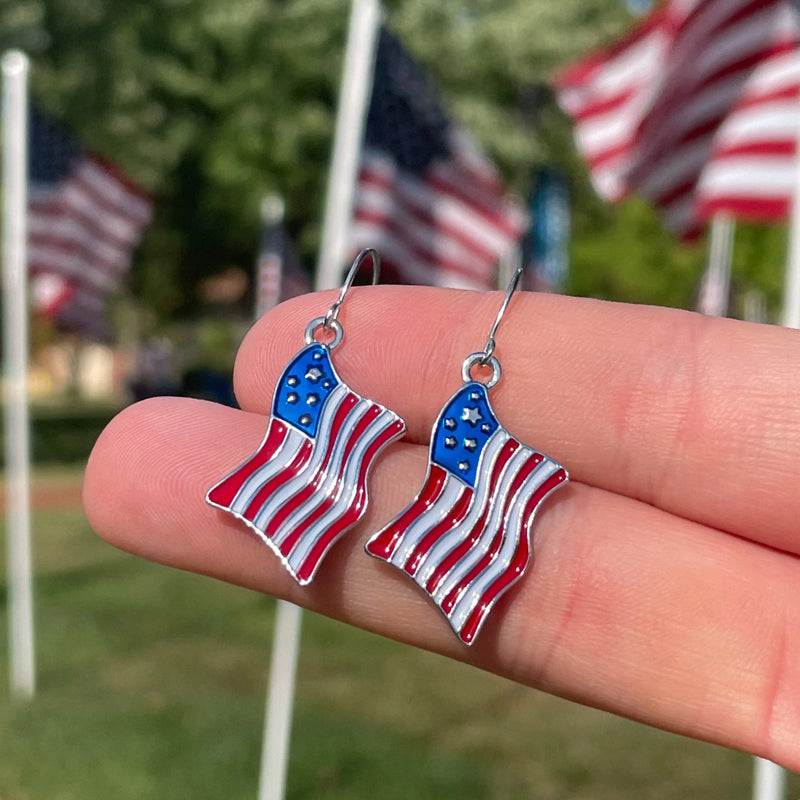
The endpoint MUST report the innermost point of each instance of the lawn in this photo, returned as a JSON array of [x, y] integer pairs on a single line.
[[152, 684]]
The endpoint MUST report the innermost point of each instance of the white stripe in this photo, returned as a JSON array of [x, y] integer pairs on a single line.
[[515, 527], [296, 484], [446, 544], [755, 176], [766, 122], [70, 229], [289, 447], [424, 523], [349, 485], [494, 522]]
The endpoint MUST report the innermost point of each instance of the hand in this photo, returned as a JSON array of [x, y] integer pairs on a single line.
[[665, 582]]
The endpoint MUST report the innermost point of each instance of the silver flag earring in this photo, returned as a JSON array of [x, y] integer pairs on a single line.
[[466, 537], [306, 484]]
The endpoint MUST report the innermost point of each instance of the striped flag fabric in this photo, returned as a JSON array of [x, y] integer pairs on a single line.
[[465, 539], [306, 483], [647, 111], [752, 171], [85, 217], [426, 197]]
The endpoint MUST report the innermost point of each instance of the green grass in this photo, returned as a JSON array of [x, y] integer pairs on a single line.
[[152, 683]]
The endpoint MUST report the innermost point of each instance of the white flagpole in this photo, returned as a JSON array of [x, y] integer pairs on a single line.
[[717, 280], [15, 345], [354, 94], [356, 85]]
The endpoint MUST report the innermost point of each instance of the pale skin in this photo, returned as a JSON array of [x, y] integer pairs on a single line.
[[665, 582]]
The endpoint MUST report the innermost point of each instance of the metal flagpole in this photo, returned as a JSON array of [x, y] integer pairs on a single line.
[[286, 637], [717, 279], [354, 94], [15, 345], [356, 85]]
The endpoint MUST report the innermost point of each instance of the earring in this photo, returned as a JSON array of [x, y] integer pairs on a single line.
[[306, 484], [466, 537]]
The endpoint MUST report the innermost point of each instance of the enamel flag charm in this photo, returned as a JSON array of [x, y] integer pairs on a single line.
[[466, 537], [307, 482]]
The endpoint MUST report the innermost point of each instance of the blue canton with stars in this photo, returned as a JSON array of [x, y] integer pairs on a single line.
[[462, 430], [304, 387]]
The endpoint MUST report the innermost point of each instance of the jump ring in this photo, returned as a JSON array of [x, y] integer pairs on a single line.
[[334, 325], [477, 359]]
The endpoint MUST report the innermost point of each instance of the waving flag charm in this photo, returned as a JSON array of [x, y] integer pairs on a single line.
[[466, 537], [306, 485]]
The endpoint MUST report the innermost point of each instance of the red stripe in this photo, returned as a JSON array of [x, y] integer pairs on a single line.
[[756, 209], [384, 543], [223, 493], [114, 171], [497, 540], [356, 509], [319, 475], [291, 470], [455, 555], [453, 518], [358, 431], [517, 565]]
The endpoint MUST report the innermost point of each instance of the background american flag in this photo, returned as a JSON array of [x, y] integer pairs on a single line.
[[652, 112], [85, 216], [427, 199]]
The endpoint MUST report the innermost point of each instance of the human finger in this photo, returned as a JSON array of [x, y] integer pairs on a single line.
[[696, 416], [625, 607]]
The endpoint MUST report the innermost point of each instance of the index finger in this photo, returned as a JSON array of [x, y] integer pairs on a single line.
[[690, 414]]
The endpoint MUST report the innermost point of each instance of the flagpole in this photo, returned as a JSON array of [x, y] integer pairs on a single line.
[[15, 67], [718, 273], [288, 618], [356, 85]]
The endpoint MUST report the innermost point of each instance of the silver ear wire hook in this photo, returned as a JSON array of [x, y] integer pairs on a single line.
[[486, 358], [330, 321]]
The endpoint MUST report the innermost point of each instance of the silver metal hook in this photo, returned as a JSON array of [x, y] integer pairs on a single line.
[[488, 348], [333, 311], [330, 322], [486, 358]]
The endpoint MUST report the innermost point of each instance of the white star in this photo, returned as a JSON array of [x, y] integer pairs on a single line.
[[314, 374], [450, 442], [292, 397], [463, 465], [305, 419], [293, 380], [486, 427], [470, 444], [471, 415], [312, 400], [474, 396], [450, 423]]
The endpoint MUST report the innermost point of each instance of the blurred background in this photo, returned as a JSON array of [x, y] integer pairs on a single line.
[[217, 119]]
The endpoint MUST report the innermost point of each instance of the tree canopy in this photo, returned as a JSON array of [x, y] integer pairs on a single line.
[[210, 104]]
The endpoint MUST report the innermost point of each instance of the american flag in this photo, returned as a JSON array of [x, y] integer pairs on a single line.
[[751, 173], [306, 484], [84, 219], [279, 274], [466, 537], [427, 198], [647, 110]]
